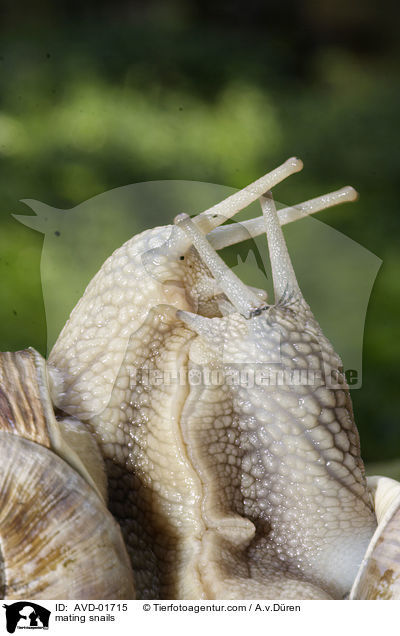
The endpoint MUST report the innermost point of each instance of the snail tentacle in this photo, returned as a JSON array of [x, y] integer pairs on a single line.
[[284, 278], [226, 209], [243, 298], [236, 233]]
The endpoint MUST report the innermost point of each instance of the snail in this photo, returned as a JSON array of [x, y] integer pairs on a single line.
[[224, 422]]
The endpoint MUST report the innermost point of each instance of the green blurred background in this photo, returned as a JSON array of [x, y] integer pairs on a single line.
[[104, 95]]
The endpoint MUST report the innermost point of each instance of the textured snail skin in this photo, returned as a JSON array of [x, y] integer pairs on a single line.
[[151, 482], [291, 452], [221, 491]]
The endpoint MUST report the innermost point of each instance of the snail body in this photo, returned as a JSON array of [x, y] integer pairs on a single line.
[[221, 489], [298, 467]]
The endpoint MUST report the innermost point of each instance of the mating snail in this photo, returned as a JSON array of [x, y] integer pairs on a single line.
[[224, 423]]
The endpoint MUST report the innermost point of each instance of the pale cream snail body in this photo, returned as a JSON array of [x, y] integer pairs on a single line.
[[222, 490]]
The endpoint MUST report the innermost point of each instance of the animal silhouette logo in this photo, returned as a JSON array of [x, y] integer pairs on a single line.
[[26, 615], [334, 272]]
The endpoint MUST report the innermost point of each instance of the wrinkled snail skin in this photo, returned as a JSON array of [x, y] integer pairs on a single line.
[[149, 270], [146, 271], [291, 449], [221, 490], [154, 491], [57, 538]]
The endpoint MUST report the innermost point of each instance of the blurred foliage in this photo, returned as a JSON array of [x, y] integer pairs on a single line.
[[100, 96]]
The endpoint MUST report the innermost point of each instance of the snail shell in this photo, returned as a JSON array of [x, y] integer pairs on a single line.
[[378, 577], [57, 538]]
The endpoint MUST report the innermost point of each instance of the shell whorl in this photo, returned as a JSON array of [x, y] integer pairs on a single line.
[[57, 538]]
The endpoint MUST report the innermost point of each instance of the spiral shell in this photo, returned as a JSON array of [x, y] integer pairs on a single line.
[[57, 538]]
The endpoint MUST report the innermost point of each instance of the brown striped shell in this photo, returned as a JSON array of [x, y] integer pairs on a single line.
[[57, 538], [378, 577]]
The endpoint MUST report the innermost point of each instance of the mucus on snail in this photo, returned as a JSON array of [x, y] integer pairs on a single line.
[[221, 490]]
